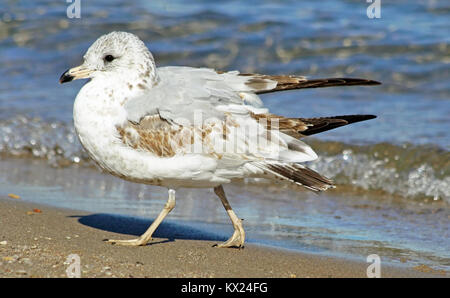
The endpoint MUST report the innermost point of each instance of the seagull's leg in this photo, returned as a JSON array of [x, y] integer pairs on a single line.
[[147, 236], [238, 237]]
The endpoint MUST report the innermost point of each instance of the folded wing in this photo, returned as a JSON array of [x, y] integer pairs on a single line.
[[202, 111]]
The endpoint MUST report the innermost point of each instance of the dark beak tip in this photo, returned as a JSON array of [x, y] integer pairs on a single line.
[[65, 77]]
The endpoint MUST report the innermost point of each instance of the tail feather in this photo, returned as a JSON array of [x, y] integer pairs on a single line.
[[299, 175]]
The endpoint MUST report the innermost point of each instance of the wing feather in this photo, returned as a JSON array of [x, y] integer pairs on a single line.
[[260, 83], [222, 110]]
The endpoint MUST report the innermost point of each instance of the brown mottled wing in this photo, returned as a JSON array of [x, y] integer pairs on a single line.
[[159, 137], [259, 82], [300, 127], [289, 126], [152, 134]]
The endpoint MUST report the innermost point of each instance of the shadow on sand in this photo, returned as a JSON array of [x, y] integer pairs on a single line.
[[137, 226]]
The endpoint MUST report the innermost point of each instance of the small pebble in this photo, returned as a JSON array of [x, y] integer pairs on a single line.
[[11, 259], [21, 272], [27, 261], [4, 242]]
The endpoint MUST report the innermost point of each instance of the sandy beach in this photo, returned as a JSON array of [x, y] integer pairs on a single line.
[[35, 241]]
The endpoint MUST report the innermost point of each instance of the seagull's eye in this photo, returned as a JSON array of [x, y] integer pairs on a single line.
[[109, 58]]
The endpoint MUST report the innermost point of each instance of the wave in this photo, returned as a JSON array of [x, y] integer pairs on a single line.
[[406, 170]]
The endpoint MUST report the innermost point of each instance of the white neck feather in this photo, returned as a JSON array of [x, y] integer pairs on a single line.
[[97, 112]]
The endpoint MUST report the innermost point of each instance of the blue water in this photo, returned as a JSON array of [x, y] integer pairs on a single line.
[[407, 49]]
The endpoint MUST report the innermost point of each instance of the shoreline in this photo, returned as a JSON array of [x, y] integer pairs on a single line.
[[36, 239]]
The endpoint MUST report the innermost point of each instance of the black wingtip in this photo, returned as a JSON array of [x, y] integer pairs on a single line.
[[372, 82], [366, 117], [327, 123], [352, 82], [354, 118]]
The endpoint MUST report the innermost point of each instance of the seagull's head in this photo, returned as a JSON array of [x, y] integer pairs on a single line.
[[116, 54]]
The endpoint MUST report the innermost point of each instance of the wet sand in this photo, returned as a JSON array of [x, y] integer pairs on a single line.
[[35, 241]]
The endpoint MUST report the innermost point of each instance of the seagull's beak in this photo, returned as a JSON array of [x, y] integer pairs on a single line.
[[79, 72]]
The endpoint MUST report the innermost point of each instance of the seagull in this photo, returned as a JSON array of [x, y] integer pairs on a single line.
[[185, 127]]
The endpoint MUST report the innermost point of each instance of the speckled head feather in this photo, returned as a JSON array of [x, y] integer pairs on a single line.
[[120, 53]]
